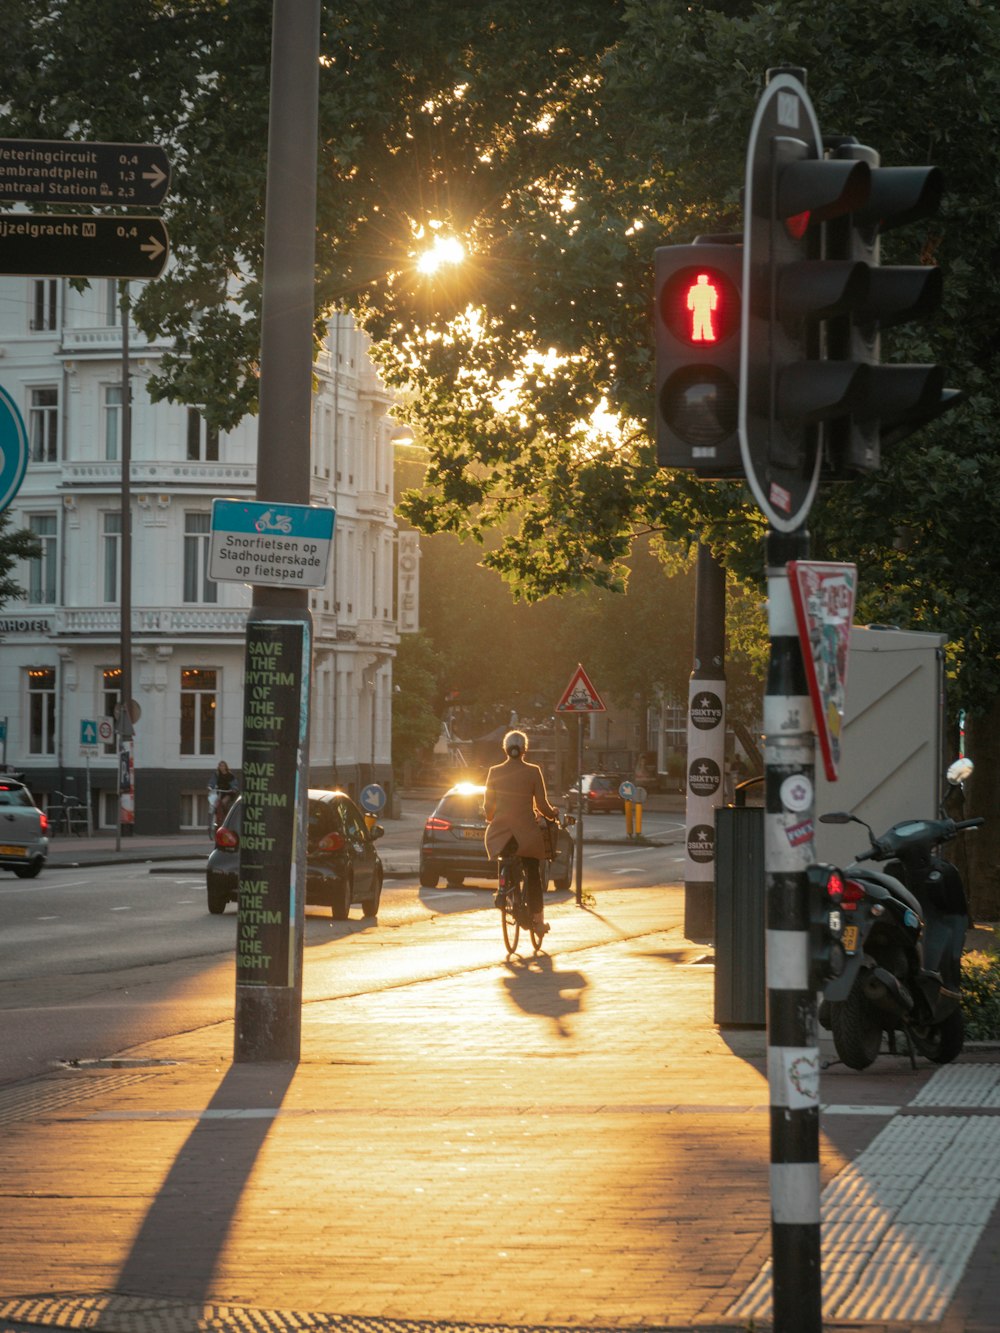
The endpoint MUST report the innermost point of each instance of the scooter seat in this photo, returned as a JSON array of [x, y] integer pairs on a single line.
[[893, 888]]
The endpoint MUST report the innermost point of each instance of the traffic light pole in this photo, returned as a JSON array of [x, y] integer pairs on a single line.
[[792, 1044]]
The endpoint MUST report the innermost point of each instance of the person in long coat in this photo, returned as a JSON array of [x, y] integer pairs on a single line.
[[514, 798]]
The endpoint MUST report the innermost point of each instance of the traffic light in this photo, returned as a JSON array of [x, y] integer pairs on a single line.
[[899, 398], [788, 386], [697, 317], [827, 958]]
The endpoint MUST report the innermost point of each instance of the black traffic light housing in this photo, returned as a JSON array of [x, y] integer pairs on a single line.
[[697, 318], [827, 958], [788, 385], [898, 398]]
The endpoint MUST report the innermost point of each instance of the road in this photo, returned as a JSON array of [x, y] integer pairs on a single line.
[[94, 960]]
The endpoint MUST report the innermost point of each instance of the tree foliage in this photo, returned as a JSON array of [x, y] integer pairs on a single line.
[[15, 545], [562, 142]]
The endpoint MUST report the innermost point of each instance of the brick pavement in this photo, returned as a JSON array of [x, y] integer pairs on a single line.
[[565, 1141]]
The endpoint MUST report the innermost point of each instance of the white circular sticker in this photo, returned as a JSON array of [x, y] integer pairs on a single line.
[[797, 792]]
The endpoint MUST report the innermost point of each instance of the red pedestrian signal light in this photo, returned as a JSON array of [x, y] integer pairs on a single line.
[[698, 321]]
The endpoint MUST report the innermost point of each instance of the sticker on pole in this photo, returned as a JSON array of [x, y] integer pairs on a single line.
[[580, 696], [823, 595]]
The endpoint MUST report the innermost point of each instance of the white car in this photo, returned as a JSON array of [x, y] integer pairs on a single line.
[[24, 843]]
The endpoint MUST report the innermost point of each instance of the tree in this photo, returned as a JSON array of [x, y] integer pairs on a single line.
[[562, 143], [415, 718], [15, 546]]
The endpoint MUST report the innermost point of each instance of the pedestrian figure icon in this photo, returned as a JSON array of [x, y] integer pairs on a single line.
[[702, 301]]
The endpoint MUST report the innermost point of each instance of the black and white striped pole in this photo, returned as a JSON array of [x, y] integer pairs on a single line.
[[792, 1041]]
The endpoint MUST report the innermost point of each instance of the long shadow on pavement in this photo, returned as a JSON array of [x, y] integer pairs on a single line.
[[538, 987], [201, 1193]]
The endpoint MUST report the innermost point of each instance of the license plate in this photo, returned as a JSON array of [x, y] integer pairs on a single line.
[[13, 851], [849, 939], [472, 833]]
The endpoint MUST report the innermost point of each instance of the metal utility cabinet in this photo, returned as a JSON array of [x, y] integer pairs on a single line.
[[893, 752], [892, 760]]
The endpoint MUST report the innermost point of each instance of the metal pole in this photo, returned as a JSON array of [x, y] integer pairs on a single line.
[[792, 1042], [279, 629], [579, 810], [706, 741], [125, 762]]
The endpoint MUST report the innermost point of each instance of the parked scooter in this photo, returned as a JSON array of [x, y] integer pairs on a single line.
[[903, 934]]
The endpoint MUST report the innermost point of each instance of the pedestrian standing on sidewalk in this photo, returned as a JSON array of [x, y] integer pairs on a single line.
[[222, 792], [514, 798]]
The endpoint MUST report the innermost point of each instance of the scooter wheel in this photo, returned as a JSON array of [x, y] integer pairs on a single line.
[[857, 1032], [943, 1042]]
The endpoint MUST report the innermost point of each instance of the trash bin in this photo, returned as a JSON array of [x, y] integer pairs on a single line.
[[740, 916]]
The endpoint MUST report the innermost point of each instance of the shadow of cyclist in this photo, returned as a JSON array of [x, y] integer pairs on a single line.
[[537, 987]]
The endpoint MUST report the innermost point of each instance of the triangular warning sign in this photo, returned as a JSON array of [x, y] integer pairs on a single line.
[[823, 595], [580, 696]]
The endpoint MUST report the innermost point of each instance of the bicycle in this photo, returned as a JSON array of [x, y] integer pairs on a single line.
[[513, 904], [67, 816]]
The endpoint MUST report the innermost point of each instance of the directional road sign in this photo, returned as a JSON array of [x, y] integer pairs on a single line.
[[77, 246], [13, 450], [88, 732], [51, 171], [285, 545]]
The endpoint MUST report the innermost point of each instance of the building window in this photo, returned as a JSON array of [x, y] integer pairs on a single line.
[[198, 701], [41, 710], [43, 569], [111, 697], [45, 305], [111, 540], [198, 587], [112, 421], [202, 439], [43, 425]]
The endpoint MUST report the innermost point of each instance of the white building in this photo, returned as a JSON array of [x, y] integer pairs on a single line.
[[61, 363]]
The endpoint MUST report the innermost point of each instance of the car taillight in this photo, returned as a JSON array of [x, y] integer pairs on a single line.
[[437, 825], [227, 839], [45, 821], [852, 893], [332, 842]]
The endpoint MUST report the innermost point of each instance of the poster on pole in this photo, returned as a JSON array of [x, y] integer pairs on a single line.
[[823, 594]]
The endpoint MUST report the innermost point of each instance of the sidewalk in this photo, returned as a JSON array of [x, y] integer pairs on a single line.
[[564, 1141]]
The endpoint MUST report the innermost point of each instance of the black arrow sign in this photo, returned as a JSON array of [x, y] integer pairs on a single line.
[[49, 171], [76, 246]]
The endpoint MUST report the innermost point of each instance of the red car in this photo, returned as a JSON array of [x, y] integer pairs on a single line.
[[600, 794]]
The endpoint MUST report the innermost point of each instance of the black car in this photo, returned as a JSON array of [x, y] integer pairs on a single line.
[[342, 865], [453, 846]]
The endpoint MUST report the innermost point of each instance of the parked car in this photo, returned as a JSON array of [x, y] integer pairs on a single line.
[[24, 842], [600, 794], [342, 865], [453, 847]]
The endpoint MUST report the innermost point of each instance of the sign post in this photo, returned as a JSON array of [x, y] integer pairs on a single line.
[[268, 1024], [580, 697]]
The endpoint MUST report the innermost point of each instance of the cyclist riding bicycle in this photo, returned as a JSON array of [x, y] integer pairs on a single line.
[[515, 795]]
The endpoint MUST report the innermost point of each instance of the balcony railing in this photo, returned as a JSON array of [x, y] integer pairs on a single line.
[[157, 474]]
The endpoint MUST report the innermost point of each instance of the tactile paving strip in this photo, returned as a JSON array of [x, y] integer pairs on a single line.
[[25, 1103], [900, 1222]]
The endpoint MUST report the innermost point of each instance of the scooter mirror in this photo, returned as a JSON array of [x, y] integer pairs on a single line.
[[837, 817], [959, 771]]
